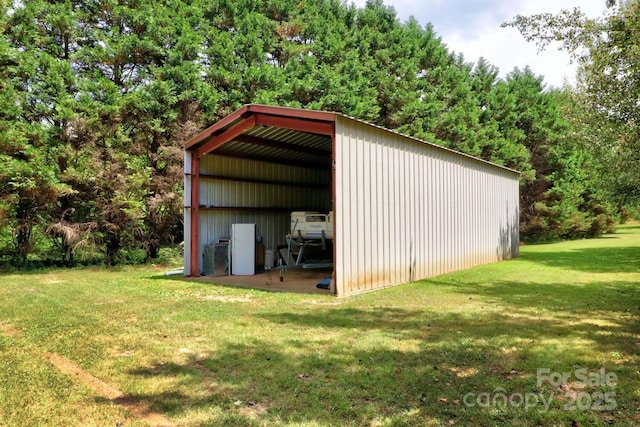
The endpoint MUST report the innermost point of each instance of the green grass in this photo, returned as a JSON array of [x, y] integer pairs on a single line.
[[203, 354]]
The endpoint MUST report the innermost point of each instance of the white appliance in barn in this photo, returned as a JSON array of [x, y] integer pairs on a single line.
[[243, 249]]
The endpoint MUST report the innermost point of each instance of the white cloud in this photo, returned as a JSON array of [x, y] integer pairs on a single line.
[[472, 27]]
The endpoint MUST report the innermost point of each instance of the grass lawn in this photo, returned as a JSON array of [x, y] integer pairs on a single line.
[[551, 338]]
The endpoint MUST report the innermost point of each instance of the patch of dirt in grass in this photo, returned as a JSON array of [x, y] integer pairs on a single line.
[[569, 390], [101, 388], [187, 354], [108, 391], [97, 385], [223, 298], [462, 371], [9, 330], [253, 410], [323, 302]]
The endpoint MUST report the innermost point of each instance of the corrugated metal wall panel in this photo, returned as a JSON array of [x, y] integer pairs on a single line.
[[228, 193], [225, 193], [254, 169], [406, 210], [277, 200], [187, 239], [271, 226]]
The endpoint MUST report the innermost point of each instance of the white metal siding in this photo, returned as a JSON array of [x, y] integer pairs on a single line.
[[407, 210], [305, 191]]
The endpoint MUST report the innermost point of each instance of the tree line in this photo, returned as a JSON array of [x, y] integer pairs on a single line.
[[97, 98]]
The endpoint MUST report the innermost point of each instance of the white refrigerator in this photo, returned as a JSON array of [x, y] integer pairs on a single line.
[[243, 249]]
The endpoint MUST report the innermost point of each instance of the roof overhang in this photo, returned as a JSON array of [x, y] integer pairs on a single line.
[[270, 133], [284, 135]]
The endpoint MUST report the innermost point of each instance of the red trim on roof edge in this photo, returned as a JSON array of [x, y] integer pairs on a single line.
[[256, 109], [219, 125], [295, 123], [298, 113], [226, 136]]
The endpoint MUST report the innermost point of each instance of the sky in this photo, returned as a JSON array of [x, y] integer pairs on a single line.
[[472, 27]]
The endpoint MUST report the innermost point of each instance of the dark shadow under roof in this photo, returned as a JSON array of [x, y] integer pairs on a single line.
[[274, 134]]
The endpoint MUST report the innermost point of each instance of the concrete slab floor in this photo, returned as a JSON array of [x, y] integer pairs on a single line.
[[296, 280]]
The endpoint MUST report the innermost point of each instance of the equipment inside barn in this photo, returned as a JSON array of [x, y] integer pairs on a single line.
[[310, 243]]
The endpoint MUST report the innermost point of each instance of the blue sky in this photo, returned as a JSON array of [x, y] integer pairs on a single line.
[[472, 27]]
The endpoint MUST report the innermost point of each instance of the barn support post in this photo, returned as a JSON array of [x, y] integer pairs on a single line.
[[334, 287], [194, 268]]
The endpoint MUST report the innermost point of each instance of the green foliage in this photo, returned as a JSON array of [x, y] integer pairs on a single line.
[[29, 185], [606, 49], [111, 90], [97, 99]]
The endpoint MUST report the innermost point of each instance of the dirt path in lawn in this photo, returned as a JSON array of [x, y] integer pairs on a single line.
[[101, 388], [8, 330]]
